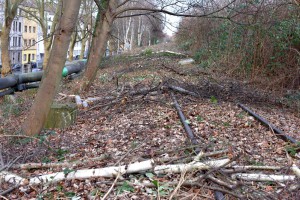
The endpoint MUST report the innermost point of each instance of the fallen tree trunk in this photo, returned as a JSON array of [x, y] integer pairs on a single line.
[[112, 171]]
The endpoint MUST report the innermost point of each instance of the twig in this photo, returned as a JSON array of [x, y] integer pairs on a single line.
[[3, 197], [131, 150], [9, 190], [10, 163], [112, 186], [64, 164], [220, 182], [181, 181], [25, 136]]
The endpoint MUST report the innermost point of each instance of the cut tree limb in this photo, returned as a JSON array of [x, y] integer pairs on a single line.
[[263, 177], [182, 90], [296, 170]]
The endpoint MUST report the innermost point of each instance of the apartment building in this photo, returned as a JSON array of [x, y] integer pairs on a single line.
[[15, 37], [30, 35], [40, 45]]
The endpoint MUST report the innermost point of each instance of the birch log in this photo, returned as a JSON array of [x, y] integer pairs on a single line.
[[114, 171], [263, 177], [296, 170]]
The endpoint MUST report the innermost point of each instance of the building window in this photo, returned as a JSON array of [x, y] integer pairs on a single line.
[[20, 27], [25, 29], [19, 57], [14, 26], [29, 42], [25, 42], [33, 42], [29, 29], [19, 41], [49, 27], [33, 29], [24, 57], [33, 55], [14, 41]]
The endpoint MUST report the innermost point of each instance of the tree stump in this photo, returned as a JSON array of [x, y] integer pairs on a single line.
[[61, 116]]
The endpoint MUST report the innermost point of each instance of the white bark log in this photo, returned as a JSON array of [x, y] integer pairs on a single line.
[[12, 178], [296, 170], [78, 101], [113, 171], [263, 177]]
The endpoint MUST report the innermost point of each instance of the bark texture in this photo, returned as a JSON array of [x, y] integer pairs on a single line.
[[53, 73]]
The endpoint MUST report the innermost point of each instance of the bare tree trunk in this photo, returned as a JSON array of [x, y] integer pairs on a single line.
[[48, 38], [5, 50], [47, 48], [132, 36], [83, 45], [102, 29], [72, 45], [52, 75]]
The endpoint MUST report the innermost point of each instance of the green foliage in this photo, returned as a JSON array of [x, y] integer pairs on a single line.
[[103, 77], [293, 149], [186, 45], [67, 171], [199, 118], [148, 52], [125, 187], [60, 153], [213, 100]]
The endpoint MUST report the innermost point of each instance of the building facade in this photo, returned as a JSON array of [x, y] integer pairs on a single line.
[[30, 33], [15, 37]]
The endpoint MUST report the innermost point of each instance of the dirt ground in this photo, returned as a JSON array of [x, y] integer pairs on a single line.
[[134, 119]]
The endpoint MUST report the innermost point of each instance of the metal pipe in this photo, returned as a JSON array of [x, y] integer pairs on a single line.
[[30, 77], [277, 131], [14, 81], [6, 92], [7, 82]]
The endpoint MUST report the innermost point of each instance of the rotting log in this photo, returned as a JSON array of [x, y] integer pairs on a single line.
[[277, 131]]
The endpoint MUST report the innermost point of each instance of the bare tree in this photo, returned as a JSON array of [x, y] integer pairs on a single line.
[[45, 8], [52, 75]]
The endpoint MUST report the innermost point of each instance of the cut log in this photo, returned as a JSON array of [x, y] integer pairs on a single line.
[[263, 177], [296, 170], [78, 101]]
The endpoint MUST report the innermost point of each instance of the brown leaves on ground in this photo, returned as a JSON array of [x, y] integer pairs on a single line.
[[148, 126]]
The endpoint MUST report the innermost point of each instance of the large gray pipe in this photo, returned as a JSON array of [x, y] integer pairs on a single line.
[[7, 82], [13, 80]]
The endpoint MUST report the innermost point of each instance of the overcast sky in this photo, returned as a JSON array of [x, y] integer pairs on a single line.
[[171, 24]]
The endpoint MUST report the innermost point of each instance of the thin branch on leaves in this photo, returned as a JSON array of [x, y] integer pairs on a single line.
[[63, 164]]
